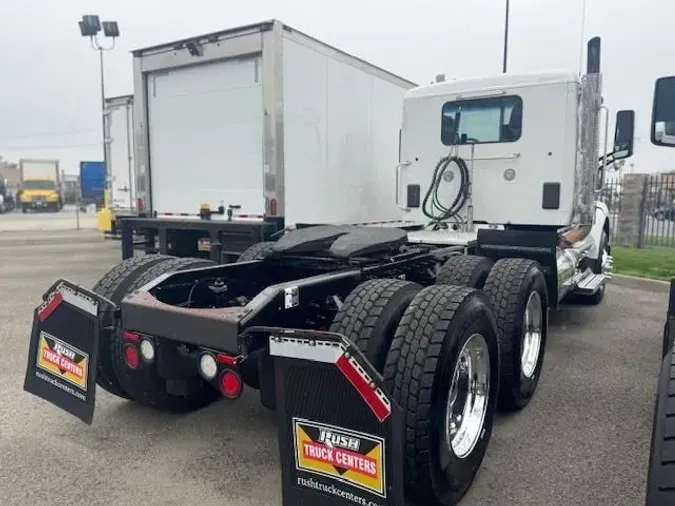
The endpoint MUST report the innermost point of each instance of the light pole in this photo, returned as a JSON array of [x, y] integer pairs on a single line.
[[90, 26], [506, 35]]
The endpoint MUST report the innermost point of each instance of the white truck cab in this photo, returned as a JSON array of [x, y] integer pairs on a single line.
[[517, 135], [510, 165]]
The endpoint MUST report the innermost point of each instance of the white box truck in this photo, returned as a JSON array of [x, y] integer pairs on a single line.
[[120, 137], [243, 132]]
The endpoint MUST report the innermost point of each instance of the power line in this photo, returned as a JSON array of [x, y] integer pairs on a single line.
[[49, 134], [46, 148]]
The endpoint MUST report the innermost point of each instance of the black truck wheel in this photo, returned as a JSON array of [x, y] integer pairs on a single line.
[[256, 252], [517, 290], [443, 370], [370, 315], [464, 270], [144, 385], [114, 285]]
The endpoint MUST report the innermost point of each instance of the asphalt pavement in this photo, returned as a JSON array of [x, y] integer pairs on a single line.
[[583, 440], [69, 218]]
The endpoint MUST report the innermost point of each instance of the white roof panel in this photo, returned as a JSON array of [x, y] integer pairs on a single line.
[[491, 83]]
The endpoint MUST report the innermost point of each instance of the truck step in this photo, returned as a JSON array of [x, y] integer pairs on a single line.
[[591, 283]]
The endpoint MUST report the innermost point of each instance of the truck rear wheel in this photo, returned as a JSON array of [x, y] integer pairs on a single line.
[[517, 290], [144, 385], [370, 315], [114, 285], [443, 370], [256, 252], [464, 270]]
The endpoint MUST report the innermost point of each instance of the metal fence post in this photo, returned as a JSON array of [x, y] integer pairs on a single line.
[[642, 227]]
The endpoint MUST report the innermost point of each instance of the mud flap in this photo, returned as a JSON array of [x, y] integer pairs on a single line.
[[64, 348], [340, 433]]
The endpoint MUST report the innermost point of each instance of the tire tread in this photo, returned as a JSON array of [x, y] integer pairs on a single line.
[[409, 375]]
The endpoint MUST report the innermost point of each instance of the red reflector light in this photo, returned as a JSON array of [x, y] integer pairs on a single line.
[[128, 335], [226, 359], [139, 205], [131, 356], [231, 385], [273, 207]]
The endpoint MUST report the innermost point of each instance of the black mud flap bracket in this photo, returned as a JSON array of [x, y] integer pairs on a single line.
[[340, 433], [64, 349]]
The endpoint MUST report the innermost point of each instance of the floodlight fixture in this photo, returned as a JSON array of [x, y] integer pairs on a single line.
[[111, 29]]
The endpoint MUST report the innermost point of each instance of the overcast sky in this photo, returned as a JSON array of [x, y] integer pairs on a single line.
[[50, 101]]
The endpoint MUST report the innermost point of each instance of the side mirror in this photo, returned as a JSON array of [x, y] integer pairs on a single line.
[[663, 112], [624, 130]]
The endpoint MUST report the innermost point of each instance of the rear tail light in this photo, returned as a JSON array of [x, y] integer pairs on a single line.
[[131, 356], [140, 205], [231, 384], [128, 335], [226, 359]]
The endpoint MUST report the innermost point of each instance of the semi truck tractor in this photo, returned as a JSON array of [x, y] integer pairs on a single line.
[[40, 185], [240, 132], [387, 348]]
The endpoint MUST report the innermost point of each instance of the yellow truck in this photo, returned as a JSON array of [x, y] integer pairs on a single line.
[[40, 185]]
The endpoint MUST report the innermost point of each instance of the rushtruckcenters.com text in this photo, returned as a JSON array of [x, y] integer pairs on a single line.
[[333, 490]]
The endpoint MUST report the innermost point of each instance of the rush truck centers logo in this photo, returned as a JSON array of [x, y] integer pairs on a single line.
[[62, 360], [353, 458]]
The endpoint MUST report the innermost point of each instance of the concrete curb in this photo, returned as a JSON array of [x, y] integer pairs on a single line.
[[650, 285]]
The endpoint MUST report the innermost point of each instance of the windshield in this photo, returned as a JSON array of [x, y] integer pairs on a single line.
[[38, 184]]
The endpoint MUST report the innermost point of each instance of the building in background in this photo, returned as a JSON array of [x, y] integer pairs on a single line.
[[71, 187], [10, 172]]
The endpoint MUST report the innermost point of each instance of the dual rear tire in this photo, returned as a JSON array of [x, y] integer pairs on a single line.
[[437, 349], [143, 385], [451, 355]]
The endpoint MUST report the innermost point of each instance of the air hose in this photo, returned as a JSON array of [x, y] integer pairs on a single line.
[[435, 210]]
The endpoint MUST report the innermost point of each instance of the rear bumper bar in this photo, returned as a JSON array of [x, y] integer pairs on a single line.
[[217, 328]]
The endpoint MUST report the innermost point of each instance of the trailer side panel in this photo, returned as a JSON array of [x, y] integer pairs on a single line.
[[341, 123]]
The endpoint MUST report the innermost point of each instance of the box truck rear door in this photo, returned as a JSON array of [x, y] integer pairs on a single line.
[[121, 154], [205, 126]]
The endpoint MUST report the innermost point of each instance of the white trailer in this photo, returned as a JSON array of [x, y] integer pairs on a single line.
[[263, 123], [120, 156]]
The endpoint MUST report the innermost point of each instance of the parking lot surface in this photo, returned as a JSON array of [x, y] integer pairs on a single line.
[[66, 219], [584, 439]]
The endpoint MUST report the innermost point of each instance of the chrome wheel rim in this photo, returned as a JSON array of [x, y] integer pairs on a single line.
[[532, 335], [468, 397]]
